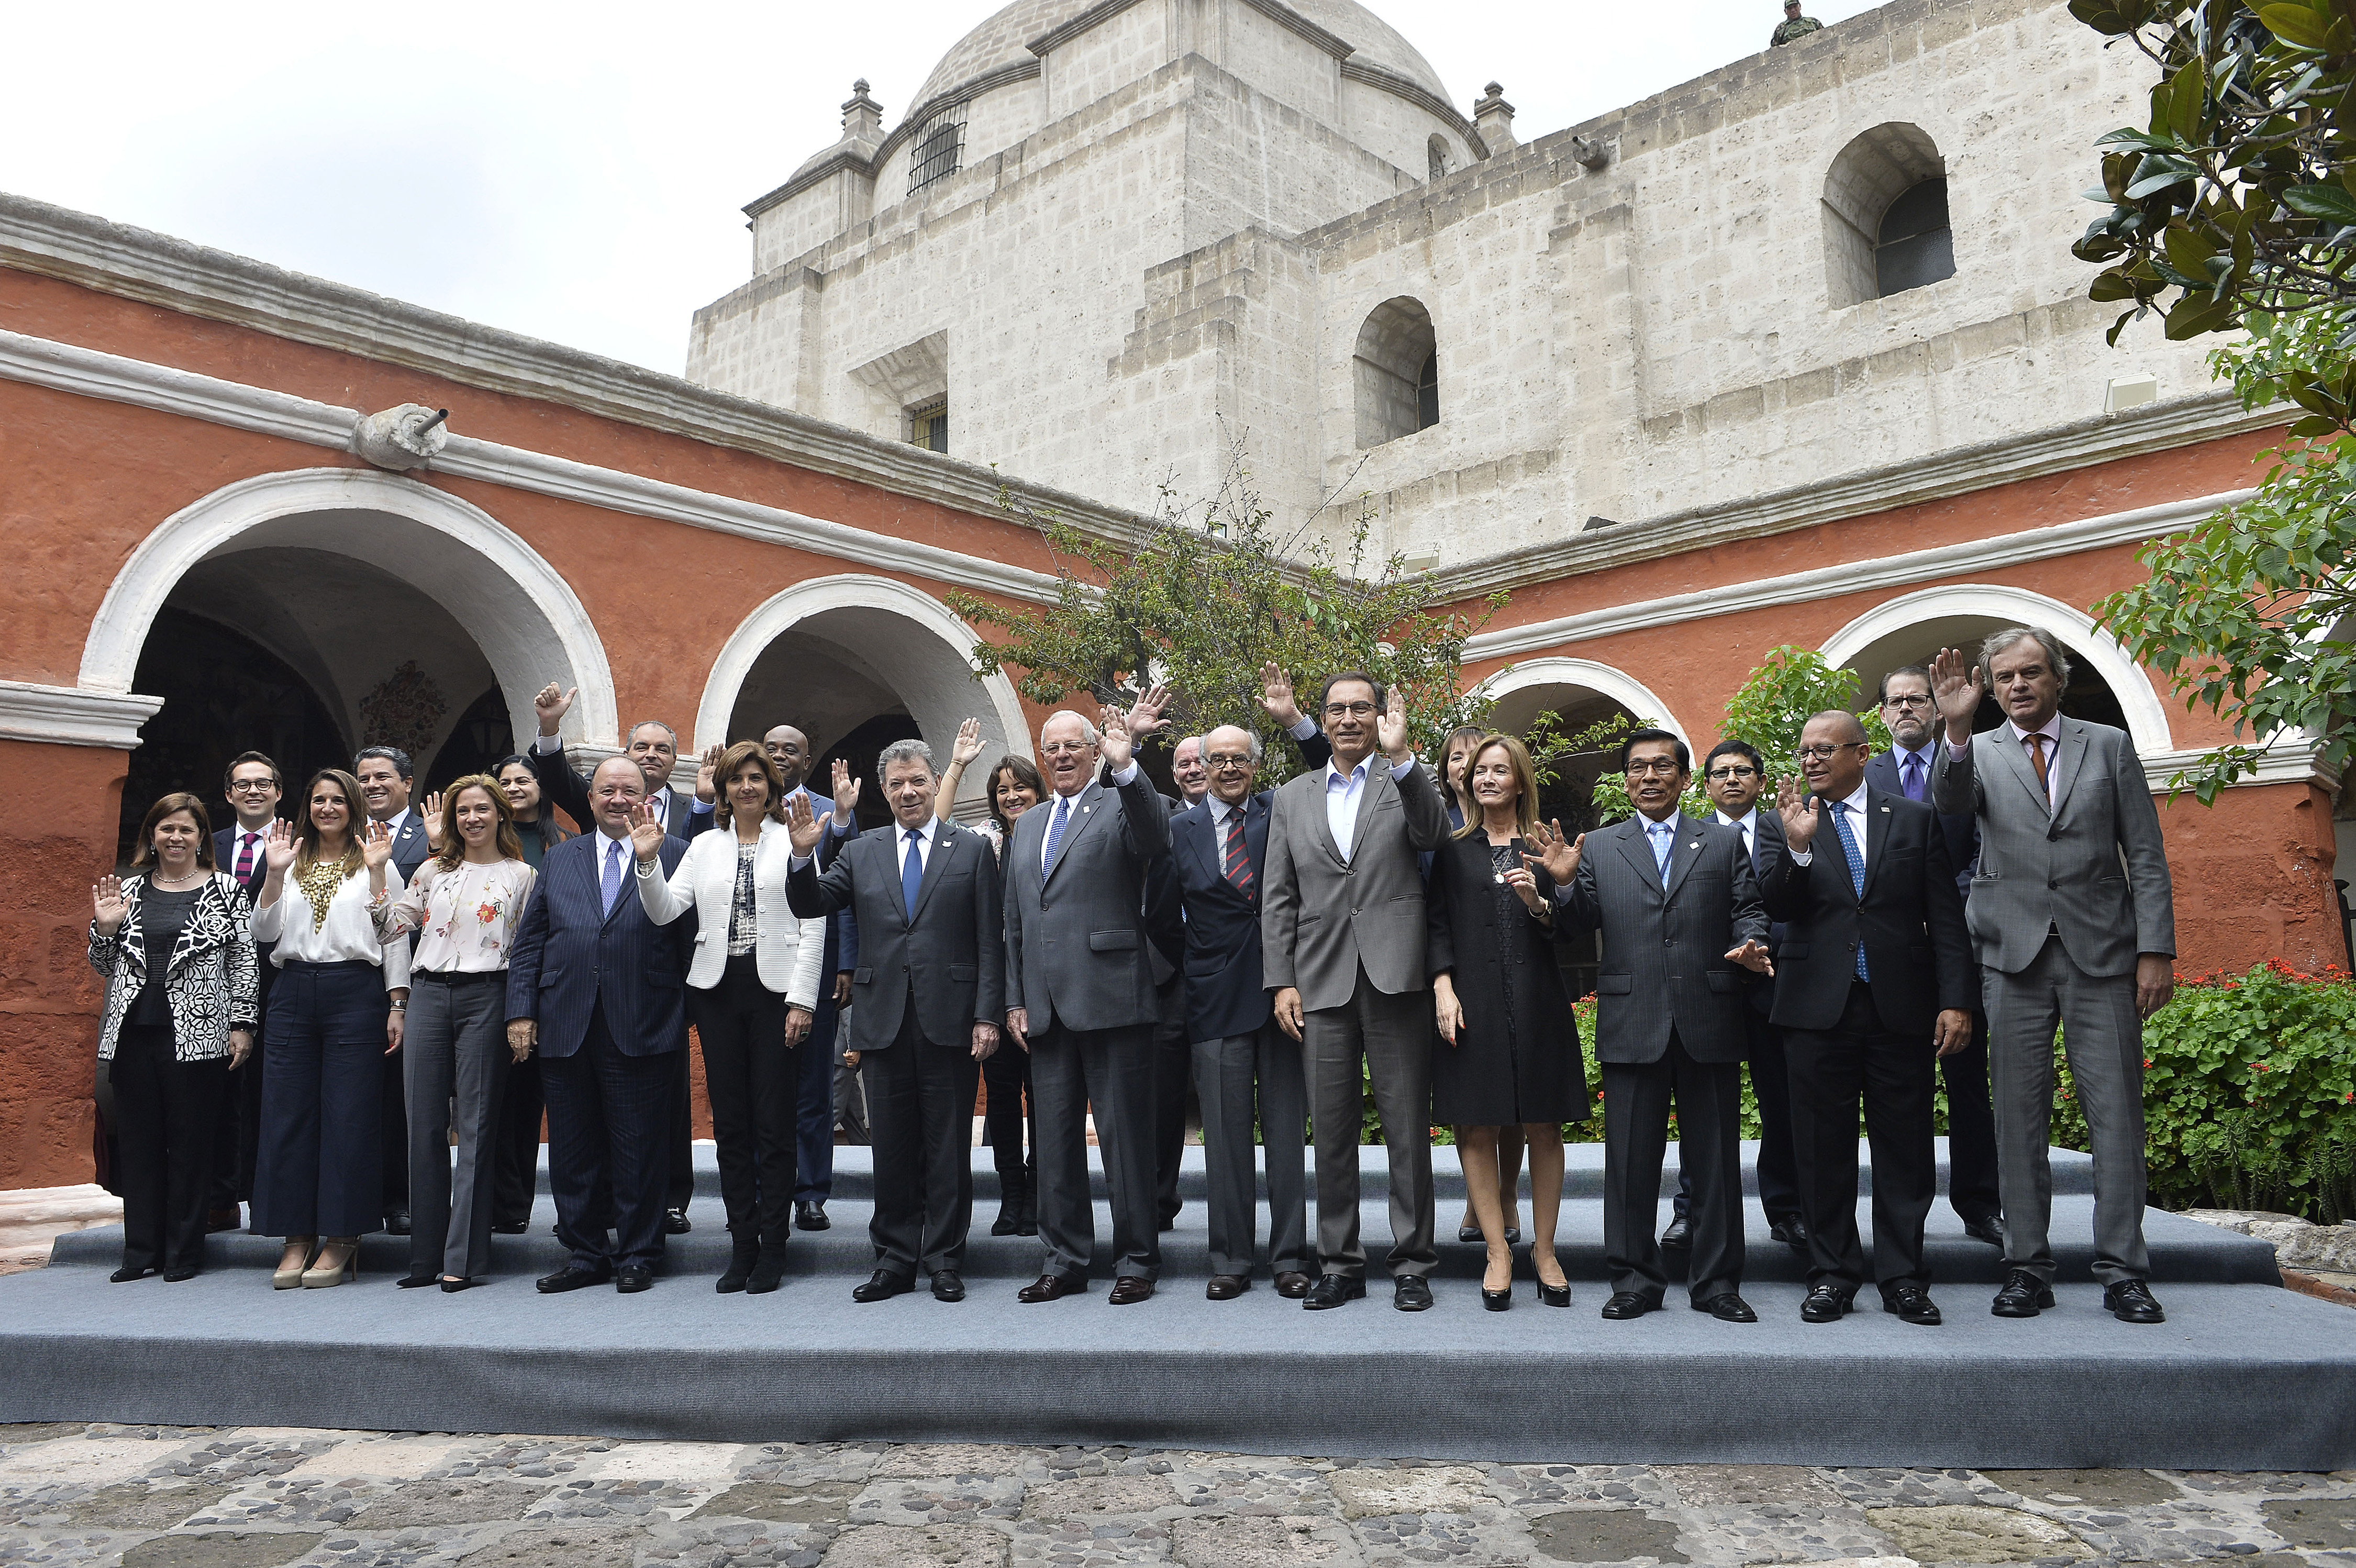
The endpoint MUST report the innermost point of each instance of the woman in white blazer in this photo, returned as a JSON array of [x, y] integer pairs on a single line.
[[751, 991]]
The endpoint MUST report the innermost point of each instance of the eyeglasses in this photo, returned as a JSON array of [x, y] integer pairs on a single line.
[[1825, 753], [1066, 748], [1922, 702], [1220, 761], [1348, 710], [1638, 767], [252, 786], [1720, 775]]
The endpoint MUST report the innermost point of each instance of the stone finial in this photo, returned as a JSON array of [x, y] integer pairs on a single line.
[[1493, 118], [402, 438], [862, 117]]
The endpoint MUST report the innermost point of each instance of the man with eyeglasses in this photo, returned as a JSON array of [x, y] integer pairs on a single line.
[[252, 786], [1734, 776], [1911, 714], [1245, 1068], [1677, 904], [1342, 948], [1873, 981]]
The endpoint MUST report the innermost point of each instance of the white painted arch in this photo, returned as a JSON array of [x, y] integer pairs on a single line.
[[531, 626], [1854, 644], [1600, 679], [928, 662]]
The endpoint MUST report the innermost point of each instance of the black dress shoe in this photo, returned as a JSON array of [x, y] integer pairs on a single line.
[[2130, 1301], [418, 1282], [396, 1222], [1006, 1224], [125, 1274], [1513, 1235], [1468, 1234], [1226, 1288], [1129, 1290], [1826, 1304], [768, 1269], [1628, 1304], [948, 1286], [509, 1227], [1678, 1236], [1912, 1304], [1728, 1308], [1052, 1287], [2023, 1295], [452, 1287], [676, 1222], [1291, 1285], [1332, 1290], [1989, 1229], [882, 1286], [632, 1280], [1793, 1233], [179, 1272], [572, 1277], [1412, 1292], [811, 1216]]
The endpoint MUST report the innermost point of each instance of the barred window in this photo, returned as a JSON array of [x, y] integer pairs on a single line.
[[935, 153], [928, 425]]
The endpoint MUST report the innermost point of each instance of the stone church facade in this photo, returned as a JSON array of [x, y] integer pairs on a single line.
[[1792, 354]]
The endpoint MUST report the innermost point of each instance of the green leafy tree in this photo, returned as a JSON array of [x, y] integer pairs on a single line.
[[2235, 208], [1218, 590]]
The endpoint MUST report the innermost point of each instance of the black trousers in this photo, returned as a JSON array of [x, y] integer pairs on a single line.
[[814, 1146], [920, 1114], [1636, 1099], [679, 1137], [517, 1176], [1971, 1129], [1779, 1168], [1004, 1121], [1832, 1070], [1173, 1073], [754, 1081], [166, 1116], [607, 1121]]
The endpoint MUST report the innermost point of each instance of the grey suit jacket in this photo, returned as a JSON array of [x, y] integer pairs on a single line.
[[1665, 965], [1075, 942], [1323, 917], [2094, 867]]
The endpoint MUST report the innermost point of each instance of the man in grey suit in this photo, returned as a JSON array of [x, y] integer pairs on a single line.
[[1678, 902], [1342, 945], [2073, 922], [929, 995], [1079, 992]]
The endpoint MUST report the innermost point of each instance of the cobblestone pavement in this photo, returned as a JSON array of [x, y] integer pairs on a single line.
[[251, 1498]]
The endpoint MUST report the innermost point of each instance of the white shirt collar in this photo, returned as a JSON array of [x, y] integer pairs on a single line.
[[925, 833], [2050, 729], [1856, 802], [1748, 821]]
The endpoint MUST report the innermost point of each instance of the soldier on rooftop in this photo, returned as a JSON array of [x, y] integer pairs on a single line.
[[1793, 25]]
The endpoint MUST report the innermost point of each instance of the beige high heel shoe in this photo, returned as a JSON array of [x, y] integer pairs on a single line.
[[331, 1269], [289, 1275]]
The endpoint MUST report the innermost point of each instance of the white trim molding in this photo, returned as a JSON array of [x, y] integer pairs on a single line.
[[1586, 673], [2288, 761], [857, 591], [2146, 719], [524, 616], [1854, 577], [87, 373], [68, 715]]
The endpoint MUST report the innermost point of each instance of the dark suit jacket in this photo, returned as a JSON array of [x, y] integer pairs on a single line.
[[408, 851], [560, 785], [947, 961], [1961, 830], [1224, 995], [225, 861], [1910, 919], [842, 930], [1664, 967], [570, 956], [1760, 989], [1075, 942]]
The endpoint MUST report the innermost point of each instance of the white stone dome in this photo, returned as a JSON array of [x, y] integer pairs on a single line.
[[1002, 40]]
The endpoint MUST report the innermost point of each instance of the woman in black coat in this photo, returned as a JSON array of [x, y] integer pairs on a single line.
[[1510, 1055]]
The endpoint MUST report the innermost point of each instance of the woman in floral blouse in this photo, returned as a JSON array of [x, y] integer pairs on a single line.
[[465, 904]]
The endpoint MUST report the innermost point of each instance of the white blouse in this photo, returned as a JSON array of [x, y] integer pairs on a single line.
[[348, 931], [465, 917]]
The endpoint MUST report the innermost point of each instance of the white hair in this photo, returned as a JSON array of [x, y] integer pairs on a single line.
[[1087, 728]]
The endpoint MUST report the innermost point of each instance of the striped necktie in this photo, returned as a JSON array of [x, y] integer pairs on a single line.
[[1238, 869]]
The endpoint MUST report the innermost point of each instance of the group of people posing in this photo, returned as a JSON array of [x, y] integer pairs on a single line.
[[1095, 943]]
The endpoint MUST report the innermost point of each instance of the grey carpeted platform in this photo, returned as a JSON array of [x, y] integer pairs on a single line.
[[2243, 1375]]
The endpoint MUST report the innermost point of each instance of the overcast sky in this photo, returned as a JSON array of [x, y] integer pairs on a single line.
[[576, 173]]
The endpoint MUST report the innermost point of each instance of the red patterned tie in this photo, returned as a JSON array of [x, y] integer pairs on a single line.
[[245, 856], [1239, 858]]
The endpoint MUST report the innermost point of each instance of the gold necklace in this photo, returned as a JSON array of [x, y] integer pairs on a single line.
[[319, 880]]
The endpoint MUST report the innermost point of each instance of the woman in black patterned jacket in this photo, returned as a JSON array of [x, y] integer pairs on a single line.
[[174, 944]]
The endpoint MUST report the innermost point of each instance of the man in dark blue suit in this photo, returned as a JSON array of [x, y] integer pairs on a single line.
[[386, 777], [789, 748], [1906, 769], [252, 785], [1244, 1066], [598, 989]]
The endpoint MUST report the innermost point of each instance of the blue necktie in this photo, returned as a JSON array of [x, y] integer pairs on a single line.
[[612, 884], [1665, 842], [1055, 832], [912, 875], [1913, 775], [1855, 875]]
